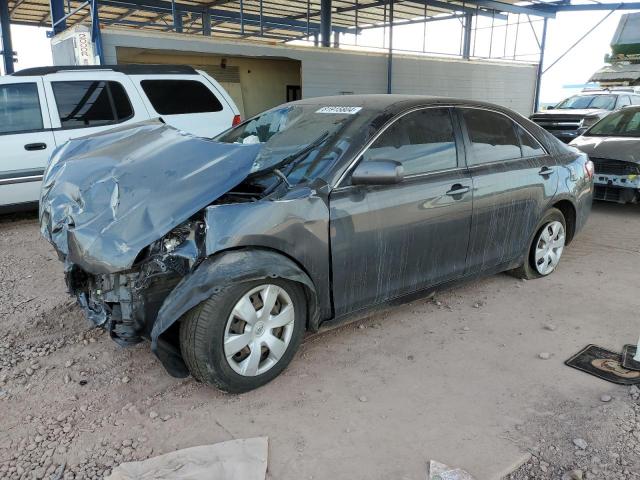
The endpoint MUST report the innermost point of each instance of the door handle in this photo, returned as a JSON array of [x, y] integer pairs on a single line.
[[545, 171], [457, 189], [35, 146]]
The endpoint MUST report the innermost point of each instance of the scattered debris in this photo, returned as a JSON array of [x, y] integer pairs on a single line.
[[631, 357], [363, 399], [603, 364], [605, 398], [244, 459], [551, 327], [580, 443], [544, 355], [573, 475], [440, 471]]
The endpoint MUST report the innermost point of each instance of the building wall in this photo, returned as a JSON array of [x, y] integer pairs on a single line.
[[341, 71]]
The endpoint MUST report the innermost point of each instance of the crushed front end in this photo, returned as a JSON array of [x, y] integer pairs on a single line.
[[123, 209], [126, 303]]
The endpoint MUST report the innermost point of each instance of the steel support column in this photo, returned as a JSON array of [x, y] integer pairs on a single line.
[[390, 55], [96, 35], [177, 17], [206, 23], [466, 39], [57, 14], [5, 28], [543, 42], [325, 22]]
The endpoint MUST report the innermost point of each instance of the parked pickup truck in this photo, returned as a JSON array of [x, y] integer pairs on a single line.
[[571, 117], [41, 108]]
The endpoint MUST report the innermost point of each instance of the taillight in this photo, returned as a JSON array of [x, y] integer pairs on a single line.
[[237, 120], [589, 169]]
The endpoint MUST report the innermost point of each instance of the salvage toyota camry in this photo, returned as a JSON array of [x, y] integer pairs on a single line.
[[224, 252]]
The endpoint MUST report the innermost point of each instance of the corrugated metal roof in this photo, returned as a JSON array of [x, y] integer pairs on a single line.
[[225, 14], [617, 72]]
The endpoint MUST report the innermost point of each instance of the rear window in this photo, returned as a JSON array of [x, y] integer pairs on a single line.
[[492, 135], [89, 103], [178, 97], [19, 108]]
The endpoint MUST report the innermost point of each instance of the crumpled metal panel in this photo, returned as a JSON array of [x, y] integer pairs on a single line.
[[106, 197], [211, 275]]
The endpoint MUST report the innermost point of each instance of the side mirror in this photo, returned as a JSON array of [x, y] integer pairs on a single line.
[[550, 107], [378, 172]]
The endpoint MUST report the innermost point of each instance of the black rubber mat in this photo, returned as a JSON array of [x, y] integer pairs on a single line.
[[603, 364], [628, 352]]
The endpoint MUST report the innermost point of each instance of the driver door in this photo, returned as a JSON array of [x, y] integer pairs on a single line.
[[390, 240]]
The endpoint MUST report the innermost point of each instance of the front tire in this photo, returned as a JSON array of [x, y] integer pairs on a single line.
[[546, 248], [244, 335]]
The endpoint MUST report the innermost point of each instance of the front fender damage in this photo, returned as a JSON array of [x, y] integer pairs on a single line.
[[242, 265]]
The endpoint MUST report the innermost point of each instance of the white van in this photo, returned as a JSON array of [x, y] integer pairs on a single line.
[[41, 108]]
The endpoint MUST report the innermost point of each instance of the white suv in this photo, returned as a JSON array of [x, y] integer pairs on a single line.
[[41, 108]]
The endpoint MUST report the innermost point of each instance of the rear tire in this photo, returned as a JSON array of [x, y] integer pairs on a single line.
[[546, 248], [235, 318]]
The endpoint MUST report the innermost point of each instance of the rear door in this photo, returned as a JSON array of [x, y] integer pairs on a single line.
[[86, 103], [390, 240], [514, 179], [187, 102], [26, 140]]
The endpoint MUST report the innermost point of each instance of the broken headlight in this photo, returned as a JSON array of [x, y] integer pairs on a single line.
[[174, 238]]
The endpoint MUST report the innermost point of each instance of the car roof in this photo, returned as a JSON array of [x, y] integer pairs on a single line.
[[132, 69], [393, 102]]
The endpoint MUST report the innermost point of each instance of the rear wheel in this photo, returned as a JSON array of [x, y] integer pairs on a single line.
[[546, 248], [244, 335]]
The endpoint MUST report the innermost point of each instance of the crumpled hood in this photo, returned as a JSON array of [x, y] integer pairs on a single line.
[[613, 148], [106, 197]]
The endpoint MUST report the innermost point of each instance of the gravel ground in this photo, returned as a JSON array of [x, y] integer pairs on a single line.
[[607, 448], [472, 377]]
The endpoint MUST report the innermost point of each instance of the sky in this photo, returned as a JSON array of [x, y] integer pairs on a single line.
[[33, 47]]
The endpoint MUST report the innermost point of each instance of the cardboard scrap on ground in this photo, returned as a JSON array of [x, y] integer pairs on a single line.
[[244, 459], [440, 471]]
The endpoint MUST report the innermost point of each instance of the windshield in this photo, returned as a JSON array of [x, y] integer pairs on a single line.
[[293, 131], [579, 102], [625, 123]]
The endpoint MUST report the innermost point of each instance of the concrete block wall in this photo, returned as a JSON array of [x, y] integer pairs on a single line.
[[340, 71]]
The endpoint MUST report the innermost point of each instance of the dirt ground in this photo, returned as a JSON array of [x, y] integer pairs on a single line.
[[456, 378]]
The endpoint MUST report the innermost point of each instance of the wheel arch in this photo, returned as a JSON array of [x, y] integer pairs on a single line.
[[569, 212], [233, 265]]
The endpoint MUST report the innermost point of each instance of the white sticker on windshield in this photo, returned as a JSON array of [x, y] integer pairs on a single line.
[[344, 110]]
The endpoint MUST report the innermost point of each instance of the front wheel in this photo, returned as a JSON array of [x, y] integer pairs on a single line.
[[244, 335], [546, 248]]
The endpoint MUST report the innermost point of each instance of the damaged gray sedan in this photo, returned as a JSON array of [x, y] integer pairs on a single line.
[[225, 252]]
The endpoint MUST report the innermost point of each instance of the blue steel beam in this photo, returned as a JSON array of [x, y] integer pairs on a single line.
[[96, 35], [325, 22], [398, 23], [597, 6], [217, 14], [57, 15], [537, 10], [431, 3], [5, 27]]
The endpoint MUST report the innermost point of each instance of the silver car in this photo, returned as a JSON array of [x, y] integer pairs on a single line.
[[613, 145]]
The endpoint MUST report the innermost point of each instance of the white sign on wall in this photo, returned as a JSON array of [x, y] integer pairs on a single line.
[[84, 48]]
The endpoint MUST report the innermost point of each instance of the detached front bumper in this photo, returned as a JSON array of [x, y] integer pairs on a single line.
[[616, 188]]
